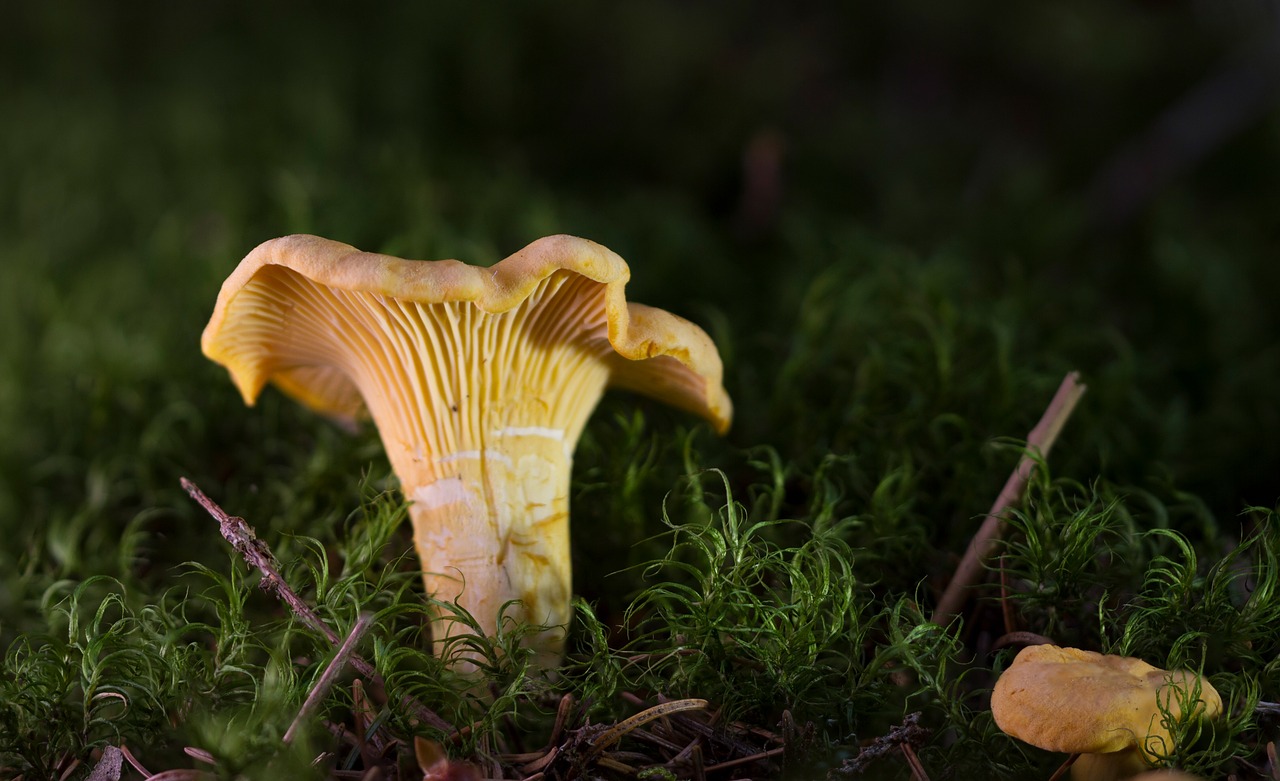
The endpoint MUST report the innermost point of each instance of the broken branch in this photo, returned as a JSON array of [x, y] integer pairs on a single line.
[[242, 537]]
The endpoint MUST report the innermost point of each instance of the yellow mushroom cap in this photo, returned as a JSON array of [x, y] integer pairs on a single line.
[[655, 353], [480, 381], [1076, 701]]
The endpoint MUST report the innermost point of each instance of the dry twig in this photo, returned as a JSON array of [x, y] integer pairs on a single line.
[[242, 537], [901, 738], [984, 543]]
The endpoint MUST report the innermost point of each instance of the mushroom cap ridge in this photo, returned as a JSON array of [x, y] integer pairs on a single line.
[[639, 334], [1076, 701]]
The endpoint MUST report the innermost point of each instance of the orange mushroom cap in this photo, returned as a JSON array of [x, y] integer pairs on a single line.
[[1076, 701]]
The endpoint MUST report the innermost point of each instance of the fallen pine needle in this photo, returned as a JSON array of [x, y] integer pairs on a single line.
[[617, 731], [132, 760], [763, 755]]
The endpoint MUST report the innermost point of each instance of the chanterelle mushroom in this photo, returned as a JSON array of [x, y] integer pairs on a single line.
[[1106, 708], [479, 380]]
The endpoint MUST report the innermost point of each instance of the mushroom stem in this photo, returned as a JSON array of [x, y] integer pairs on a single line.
[[1112, 766], [493, 529]]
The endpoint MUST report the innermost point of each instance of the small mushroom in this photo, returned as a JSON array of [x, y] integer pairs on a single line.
[[1106, 708], [479, 380]]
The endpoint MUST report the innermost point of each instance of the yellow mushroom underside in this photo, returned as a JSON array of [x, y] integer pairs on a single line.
[[478, 411]]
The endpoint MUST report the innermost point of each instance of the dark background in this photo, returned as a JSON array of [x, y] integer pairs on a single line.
[[1106, 171]]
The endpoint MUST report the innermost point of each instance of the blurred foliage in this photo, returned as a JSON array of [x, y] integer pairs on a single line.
[[895, 220]]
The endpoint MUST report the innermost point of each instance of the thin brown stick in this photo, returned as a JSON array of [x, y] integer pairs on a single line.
[[199, 755], [759, 757], [695, 756], [71, 768], [1020, 638], [132, 760], [1064, 767], [1006, 605], [682, 755], [562, 716], [363, 717], [618, 767], [541, 762], [917, 769], [242, 537], [1039, 442], [330, 674]]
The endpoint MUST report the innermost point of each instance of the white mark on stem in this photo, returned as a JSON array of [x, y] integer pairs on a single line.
[[488, 454], [531, 431], [446, 490]]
